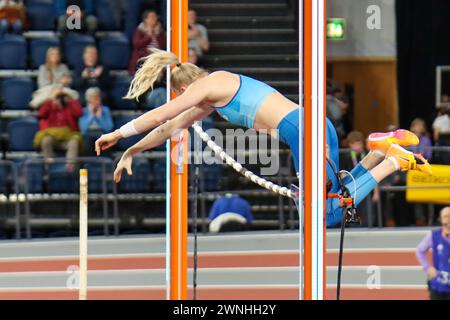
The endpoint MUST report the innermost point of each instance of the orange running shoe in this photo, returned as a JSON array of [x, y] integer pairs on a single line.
[[382, 141], [405, 160]]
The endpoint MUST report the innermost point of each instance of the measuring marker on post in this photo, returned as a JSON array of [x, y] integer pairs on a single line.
[[83, 234]]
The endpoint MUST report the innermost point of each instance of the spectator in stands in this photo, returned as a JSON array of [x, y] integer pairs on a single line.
[[337, 106], [439, 271], [12, 17], [441, 125], [194, 58], [230, 213], [95, 121], [58, 124], [419, 127], [52, 73], [149, 34], [92, 73], [198, 34], [85, 14], [356, 142]]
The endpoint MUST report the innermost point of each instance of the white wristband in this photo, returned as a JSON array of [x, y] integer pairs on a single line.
[[128, 129]]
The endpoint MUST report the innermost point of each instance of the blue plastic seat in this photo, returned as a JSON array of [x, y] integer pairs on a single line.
[[21, 134], [17, 92], [41, 15], [33, 175], [95, 177], [61, 181], [74, 45], [3, 178], [39, 47], [140, 181], [159, 175], [105, 16], [13, 52], [118, 90], [212, 174], [115, 52]]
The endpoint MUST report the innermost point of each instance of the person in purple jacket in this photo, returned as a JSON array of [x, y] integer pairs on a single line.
[[439, 272], [419, 127]]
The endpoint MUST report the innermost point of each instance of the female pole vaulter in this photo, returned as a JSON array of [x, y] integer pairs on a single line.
[[250, 103]]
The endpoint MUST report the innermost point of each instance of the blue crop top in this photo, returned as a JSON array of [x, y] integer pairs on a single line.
[[241, 110]]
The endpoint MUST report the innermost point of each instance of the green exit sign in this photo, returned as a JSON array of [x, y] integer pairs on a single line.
[[335, 29]]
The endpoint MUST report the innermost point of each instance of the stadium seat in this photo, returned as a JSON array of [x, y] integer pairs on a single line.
[[34, 178], [73, 49], [61, 181], [124, 144], [140, 181], [16, 93], [118, 90], [95, 177], [21, 133], [3, 178], [159, 175], [13, 52], [41, 15], [212, 175], [105, 16], [115, 52], [39, 48]]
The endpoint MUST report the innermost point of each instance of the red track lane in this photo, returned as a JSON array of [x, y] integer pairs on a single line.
[[221, 294], [269, 259]]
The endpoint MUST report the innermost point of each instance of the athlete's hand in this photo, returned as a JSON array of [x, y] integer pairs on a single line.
[[106, 141], [124, 163], [432, 273]]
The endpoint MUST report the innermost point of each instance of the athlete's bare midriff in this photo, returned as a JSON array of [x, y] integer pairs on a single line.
[[272, 110]]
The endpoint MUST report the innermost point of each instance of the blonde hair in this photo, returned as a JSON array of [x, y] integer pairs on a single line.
[[49, 65], [152, 66]]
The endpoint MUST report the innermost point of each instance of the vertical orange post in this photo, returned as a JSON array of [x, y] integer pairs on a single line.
[[307, 85], [324, 165], [314, 84], [179, 173]]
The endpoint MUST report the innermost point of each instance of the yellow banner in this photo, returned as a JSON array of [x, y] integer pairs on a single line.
[[429, 189]]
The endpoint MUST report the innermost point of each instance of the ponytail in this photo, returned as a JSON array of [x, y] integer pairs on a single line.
[[148, 73]]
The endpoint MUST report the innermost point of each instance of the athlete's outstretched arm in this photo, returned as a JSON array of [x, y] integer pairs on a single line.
[[158, 136], [194, 95]]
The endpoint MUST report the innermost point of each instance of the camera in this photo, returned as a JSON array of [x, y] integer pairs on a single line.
[[63, 99]]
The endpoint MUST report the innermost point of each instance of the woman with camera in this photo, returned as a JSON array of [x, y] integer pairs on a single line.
[[58, 124]]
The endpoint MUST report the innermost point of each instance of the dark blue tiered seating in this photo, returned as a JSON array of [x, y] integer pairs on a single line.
[[38, 48], [95, 177], [16, 93], [140, 181], [74, 45], [159, 175], [115, 52], [21, 133], [118, 90], [13, 52], [3, 178], [105, 16], [61, 181], [41, 14], [34, 177]]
